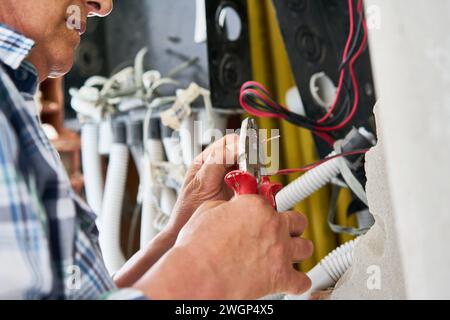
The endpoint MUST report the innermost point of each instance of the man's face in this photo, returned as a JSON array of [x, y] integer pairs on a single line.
[[55, 25]]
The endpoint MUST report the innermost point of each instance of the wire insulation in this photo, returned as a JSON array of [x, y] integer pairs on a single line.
[[318, 163]]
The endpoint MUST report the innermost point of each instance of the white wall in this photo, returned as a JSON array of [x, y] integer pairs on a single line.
[[411, 61]]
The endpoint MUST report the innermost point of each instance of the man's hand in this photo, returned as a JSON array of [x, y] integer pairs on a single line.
[[204, 182], [241, 249]]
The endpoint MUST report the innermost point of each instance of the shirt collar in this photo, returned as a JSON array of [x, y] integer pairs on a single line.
[[14, 47]]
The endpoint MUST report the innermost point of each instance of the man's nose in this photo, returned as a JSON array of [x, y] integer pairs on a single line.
[[99, 8]]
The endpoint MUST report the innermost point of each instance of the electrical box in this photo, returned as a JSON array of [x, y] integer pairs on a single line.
[[315, 33], [228, 50]]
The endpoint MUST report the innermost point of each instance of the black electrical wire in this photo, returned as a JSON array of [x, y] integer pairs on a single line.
[[257, 103], [257, 98], [356, 40]]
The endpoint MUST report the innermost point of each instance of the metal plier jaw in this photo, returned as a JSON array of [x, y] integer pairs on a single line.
[[248, 179]]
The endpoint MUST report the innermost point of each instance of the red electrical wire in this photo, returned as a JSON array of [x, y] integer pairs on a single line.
[[315, 165], [324, 136], [342, 76], [354, 81], [245, 90], [257, 112], [259, 86], [259, 92], [360, 6]]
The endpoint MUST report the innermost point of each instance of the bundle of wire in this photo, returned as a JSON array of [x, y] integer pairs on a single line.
[[257, 100]]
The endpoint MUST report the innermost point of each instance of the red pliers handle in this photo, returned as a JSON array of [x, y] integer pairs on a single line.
[[244, 183]]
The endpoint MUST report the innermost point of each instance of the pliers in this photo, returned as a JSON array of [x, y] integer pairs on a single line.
[[248, 179]]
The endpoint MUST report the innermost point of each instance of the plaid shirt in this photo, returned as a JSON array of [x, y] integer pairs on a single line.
[[48, 238]]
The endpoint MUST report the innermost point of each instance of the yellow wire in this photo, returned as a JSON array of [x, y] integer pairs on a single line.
[[271, 67]]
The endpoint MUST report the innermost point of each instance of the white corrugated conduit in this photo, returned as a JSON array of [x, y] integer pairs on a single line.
[[112, 202]]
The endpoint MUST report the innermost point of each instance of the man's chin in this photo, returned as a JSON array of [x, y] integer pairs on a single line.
[[62, 68], [58, 74]]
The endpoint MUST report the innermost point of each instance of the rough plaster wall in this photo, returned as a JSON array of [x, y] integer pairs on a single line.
[[411, 59], [379, 247]]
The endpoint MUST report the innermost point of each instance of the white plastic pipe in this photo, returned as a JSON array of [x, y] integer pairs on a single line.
[[328, 272], [307, 184], [173, 150], [92, 167], [112, 207], [168, 195], [207, 124], [190, 147], [200, 22], [168, 199], [150, 192], [105, 140]]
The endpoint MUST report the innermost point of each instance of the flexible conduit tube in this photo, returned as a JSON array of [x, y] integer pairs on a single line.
[[307, 184], [315, 179], [328, 272], [151, 194], [135, 141], [113, 199], [92, 167]]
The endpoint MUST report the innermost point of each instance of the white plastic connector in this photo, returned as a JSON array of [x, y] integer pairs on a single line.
[[150, 77], [84, 102], [181, 109], [322, 90]]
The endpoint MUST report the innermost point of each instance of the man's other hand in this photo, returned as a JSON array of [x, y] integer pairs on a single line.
[[241, 249]]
